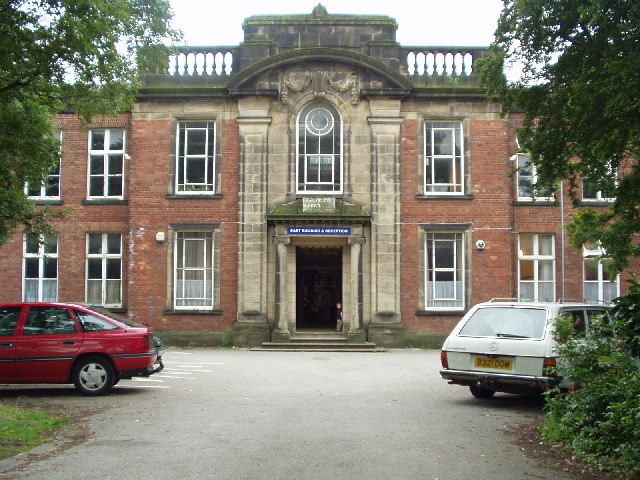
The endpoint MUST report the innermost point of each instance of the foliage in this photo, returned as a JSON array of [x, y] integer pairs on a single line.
[[85, 55], [22, 429], [600, 420], [580, 63]]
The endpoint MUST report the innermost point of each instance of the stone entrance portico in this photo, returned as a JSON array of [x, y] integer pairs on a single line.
[[319, 223]]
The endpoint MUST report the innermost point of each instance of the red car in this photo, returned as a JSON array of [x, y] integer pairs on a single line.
[[72, 343]]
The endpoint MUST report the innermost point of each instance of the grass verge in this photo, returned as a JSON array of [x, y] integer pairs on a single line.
[[22, 429]]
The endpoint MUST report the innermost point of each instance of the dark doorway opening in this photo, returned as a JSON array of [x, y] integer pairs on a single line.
[[318, 287]]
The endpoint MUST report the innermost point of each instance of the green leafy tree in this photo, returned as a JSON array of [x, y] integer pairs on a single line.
[[578, 89], [600, 419], [56, 55]]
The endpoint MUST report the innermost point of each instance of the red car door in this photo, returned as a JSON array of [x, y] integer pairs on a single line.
[[47, 345], [9, 317]]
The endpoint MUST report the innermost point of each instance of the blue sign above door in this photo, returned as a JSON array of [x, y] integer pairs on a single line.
[[319, 230]]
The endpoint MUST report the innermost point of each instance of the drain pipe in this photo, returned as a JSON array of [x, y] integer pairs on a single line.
[[562, 239]]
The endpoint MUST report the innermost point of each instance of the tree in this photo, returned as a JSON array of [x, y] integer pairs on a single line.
[[578, 89], [84, 55]]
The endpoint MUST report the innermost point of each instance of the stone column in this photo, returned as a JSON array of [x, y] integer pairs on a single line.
[[281, 332], [356, 305], [385, 122], [253, 121]]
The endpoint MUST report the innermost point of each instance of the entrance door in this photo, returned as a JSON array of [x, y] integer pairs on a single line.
[[318, 287]]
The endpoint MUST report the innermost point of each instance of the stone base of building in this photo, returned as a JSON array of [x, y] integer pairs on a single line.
[[250, 334], [424, 340], [280, 336], [194, 339], [357, 336], [387, 335]]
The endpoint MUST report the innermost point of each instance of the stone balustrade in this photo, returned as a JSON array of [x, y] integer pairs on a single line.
[[415, 61], [201, 61], [441, 61]]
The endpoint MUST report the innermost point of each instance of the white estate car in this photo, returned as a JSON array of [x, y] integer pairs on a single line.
[[509, 346]]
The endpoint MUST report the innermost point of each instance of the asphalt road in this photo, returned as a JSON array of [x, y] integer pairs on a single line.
[[238, 414]]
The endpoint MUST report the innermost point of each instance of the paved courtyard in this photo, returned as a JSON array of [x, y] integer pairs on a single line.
[[238, 414]]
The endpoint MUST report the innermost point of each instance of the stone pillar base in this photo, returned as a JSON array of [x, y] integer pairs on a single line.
[[250, 334], [389, 335], [280, 336], [357, 336]]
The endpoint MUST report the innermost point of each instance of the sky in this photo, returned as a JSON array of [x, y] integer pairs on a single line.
[[420, 22]]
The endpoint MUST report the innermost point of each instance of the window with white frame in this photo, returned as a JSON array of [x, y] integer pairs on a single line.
[[193, 270], [536, 267], [444, 270], [526, 179], [106, 163], [40, 269], [195, 157], [319, 167], [104, 269], [50, 188], [599, 284], [599, 191], [525, 176], [443, 158]]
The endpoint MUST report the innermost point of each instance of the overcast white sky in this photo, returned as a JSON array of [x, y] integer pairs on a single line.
[[420, 22]]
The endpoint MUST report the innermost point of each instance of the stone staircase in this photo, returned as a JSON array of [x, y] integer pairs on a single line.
[[317, 341]]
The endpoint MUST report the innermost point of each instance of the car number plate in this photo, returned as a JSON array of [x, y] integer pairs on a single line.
[[499, 363]]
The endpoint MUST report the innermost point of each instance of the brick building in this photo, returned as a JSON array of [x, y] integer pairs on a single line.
[[250, 188]]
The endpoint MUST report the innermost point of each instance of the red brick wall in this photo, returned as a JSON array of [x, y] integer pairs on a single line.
[[153, 211], [495, 218], [83, 218], [489, 212], [146, 211]]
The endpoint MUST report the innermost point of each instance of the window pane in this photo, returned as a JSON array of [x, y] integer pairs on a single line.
[[526, 269], [116, 139], [50, 267], [32, 244], [590, 269], [51, 244], [115, 164], [31, 268], [443, 142], [115, 187], [113, 268], [96, 166], [94, 243], [545, 270], [97, 139], [31, 290], [196, 142], [194, 254], [443, 170], [91, 323], [96, 185], [444, 255], [545, 244], [113, 292], [526, 244], [195, 171], [606, 276], [113, 243], [53, 187], [8, 320], [94, 268]]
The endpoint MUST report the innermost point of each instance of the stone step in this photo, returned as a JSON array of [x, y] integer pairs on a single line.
[[306, 344]]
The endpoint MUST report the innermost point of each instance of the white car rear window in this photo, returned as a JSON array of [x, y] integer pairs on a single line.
[[511, 322]]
